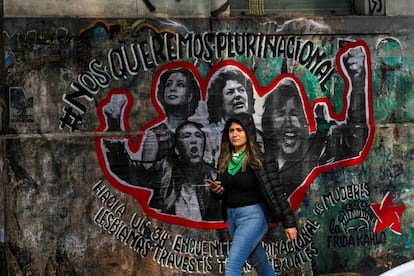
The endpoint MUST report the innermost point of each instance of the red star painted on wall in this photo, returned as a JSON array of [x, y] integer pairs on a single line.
[[388, 215]]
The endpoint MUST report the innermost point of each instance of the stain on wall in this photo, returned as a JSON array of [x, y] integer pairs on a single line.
[[86, 192]]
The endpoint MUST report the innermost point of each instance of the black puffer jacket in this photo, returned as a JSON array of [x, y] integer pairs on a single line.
[[268, 177], [276, 198]]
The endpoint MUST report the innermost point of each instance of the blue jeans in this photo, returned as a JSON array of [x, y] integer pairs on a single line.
[[247, 225]]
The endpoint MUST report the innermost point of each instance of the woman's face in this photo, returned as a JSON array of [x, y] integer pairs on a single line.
[[237, 137], [289, 124], [235, 98], [175, 92]]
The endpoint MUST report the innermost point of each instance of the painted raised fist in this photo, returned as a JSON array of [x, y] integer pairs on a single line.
[[113, 112]]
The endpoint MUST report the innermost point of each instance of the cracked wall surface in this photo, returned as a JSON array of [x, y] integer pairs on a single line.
[[73, 204]]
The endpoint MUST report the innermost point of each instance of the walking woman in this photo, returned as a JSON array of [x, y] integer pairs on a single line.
[[252, 197]]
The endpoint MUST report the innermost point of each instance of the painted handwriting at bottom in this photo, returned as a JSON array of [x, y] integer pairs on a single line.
[[356, 240], [286, 263], [187, 254], [120, 230], [186, 263], [285, 255]]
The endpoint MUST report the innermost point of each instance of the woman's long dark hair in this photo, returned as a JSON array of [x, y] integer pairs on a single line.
[[252, 158]]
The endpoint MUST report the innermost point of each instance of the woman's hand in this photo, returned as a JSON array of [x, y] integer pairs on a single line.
[[215, 186], [291, 233]]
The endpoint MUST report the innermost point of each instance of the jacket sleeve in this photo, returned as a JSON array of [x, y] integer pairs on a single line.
[[275, 195]]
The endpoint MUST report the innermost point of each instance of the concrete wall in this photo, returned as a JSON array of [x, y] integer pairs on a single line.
[[399, 7], [77, 199], [189, 8], [388, 7], [106, 8]]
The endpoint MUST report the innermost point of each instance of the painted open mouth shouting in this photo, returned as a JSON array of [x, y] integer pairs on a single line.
[[239, 105], [290, 141], [194, 151]]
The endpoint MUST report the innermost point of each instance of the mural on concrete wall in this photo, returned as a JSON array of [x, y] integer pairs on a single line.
[[178, 151], [156, 93]]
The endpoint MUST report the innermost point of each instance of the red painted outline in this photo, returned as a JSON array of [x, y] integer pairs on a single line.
[[142, 195]]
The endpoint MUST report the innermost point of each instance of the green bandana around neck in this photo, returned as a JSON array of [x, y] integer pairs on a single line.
[[235, 163]]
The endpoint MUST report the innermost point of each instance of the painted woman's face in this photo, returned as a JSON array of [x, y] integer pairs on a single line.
[[235, 98], [175, 92], [288, 123]]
